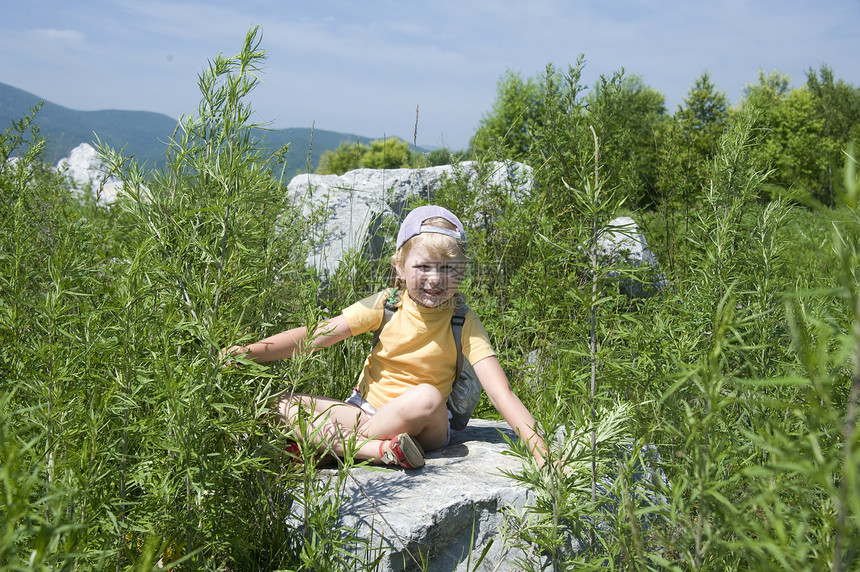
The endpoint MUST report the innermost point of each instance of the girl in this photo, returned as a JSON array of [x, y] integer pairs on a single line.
[[398, 410]]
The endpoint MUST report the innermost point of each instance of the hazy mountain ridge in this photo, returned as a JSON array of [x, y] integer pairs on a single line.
[[144, 134]]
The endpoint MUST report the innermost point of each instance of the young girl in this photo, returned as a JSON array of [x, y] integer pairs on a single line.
[[398, 410]]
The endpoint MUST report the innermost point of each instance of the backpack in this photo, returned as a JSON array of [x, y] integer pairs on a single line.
[[466, 391]]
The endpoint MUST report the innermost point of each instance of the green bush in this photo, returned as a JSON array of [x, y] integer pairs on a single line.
[[112, 321]]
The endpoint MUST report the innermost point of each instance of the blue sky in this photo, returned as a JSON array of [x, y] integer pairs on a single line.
[[363, 67]]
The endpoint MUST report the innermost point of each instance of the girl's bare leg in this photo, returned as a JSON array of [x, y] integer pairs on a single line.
[[419, 411], [329, 423]]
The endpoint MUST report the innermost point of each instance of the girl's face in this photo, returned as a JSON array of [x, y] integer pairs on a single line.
[[430, 280]]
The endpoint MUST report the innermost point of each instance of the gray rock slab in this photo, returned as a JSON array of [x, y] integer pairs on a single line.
[[446, 510]]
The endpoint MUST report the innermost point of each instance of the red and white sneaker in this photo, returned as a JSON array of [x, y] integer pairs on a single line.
[[294, 451], [403, 451]]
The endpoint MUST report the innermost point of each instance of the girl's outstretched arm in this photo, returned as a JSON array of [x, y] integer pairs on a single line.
[[495, 383], [287, 343]]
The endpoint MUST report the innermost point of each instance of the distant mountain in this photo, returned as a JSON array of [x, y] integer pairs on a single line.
[[144, 134]]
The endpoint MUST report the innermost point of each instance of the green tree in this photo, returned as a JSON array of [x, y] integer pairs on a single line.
[[837, 105], [806, 131], [771, 88], [391, 153], [792, 138], [346, 157], [509, 124], [703, 115], [700, 121], [633, 117], [443, 156]]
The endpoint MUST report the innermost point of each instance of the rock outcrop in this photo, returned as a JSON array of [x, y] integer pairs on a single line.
[[86, 171], [622, 242], [357, 201], [445, 512], [453, 510]]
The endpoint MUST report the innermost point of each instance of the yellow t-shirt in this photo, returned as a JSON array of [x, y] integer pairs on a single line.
[[416, 346]]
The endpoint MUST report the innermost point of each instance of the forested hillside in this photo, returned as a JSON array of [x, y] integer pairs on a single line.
[[144, 135], [126, 445]]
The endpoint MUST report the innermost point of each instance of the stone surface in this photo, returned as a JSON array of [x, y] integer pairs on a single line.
[[356, 200], [446, 509], [622, 242], [449, 511]]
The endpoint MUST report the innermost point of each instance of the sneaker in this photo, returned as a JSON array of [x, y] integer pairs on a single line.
[[294, 451], [403, 451]]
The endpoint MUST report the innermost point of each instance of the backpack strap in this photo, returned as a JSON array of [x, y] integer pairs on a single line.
[[386, 317], [457, 321], [388, 312]]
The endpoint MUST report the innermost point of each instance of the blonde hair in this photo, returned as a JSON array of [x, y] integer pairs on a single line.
[[437, 245]]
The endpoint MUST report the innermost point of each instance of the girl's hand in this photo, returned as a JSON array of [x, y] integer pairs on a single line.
[[232, 351]]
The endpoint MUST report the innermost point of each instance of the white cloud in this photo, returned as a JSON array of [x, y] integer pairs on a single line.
[[58, 36]]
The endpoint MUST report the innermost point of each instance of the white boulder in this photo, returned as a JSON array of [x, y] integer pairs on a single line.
[[621, 242], [86, 171], [463, 503], [355, 200]]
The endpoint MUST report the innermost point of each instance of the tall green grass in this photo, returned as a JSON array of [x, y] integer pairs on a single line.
[[125, 444], [744, 377]]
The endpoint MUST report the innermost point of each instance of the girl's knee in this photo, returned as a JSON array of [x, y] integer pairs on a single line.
[[292, 404], [434, 411], [285, 407], [426, 401], [429, 394]]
